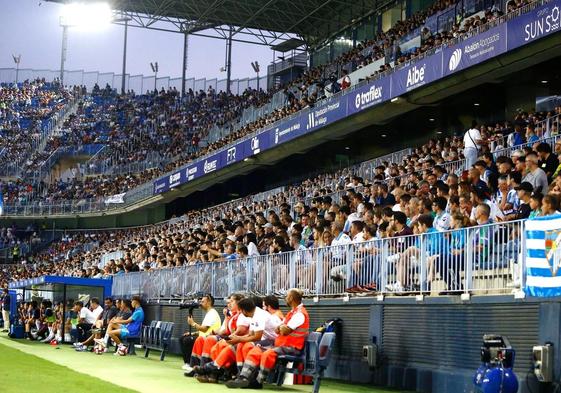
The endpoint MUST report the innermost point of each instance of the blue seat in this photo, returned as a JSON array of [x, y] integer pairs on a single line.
[[315, 357], [157, 336]]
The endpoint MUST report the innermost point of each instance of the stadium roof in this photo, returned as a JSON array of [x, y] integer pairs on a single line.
[[272, 21]]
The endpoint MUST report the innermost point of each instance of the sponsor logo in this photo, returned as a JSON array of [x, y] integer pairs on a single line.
[[209, 166], [276, 135], [255, 145], [318, 118], [159, 187], [191, 172], [455, 60], [548, 21], [372, 96], [174, 179], [311, 121], [416, 75], [231, 155]]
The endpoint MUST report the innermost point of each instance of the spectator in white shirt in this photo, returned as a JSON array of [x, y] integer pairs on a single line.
[[442, 219], [472, 141], [86, 319]]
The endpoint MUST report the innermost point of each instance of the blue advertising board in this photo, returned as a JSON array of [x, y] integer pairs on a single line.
[[287, 130], [474, 50], [412, 77], [368, 96], [326, 112], [538, 23]]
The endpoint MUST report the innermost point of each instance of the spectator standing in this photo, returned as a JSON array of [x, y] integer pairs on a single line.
[[472, 141]]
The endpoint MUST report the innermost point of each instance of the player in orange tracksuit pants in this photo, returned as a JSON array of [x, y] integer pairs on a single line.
[[226, 356], [291, 339], [204, 347]]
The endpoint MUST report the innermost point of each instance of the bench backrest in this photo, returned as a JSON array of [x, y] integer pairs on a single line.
[[312, 350], [325, 349]]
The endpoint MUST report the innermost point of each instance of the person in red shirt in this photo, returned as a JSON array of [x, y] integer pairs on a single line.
[[291, 338]]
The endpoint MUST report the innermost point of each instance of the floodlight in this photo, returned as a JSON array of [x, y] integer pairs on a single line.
[[91, 16]]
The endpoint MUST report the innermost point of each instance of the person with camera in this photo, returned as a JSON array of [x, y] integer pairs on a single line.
[[211, 323]]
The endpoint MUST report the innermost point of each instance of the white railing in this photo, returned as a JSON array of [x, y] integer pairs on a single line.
[[479, 260]]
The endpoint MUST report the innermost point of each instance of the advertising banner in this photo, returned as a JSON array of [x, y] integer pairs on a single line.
[[287, 130], [419, 74], [536, 24], [475, 50], [327, 112], [368, 96]]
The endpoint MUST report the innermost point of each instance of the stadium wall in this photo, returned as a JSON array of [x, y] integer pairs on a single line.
[[135, 217], [430, 346]]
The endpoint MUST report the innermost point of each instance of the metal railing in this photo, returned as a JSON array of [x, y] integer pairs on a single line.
[[480, 260], [138, 83]]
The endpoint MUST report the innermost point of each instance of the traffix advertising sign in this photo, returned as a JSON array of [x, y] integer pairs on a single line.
[[475, 50], [536, 24], [419, 74], [327, 112], [368, 96]]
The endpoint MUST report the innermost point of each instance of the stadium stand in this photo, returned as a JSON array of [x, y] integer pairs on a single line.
[[447, 217], [153, 125]]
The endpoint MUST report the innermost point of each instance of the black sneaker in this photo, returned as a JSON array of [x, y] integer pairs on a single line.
[[254, 385], [238, 383]]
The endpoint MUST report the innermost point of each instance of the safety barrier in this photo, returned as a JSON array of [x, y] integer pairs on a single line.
[[482, 259]]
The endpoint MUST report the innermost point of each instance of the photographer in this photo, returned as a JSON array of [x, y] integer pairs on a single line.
[[211, 322]]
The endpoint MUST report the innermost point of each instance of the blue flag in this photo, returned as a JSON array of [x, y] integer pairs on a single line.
[[543, 256]]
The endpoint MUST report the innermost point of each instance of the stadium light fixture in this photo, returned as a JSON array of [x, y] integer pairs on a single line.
[[476, 104], [384, 135], [94, 16], [91, 16], [544, 82], [431, 119]]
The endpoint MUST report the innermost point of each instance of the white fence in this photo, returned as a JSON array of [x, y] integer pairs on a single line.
[[482, 259]]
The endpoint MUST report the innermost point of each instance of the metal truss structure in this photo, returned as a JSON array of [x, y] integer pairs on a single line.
[[262, 22]]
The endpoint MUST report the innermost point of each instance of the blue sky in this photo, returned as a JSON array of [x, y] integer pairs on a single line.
[[31, 28]]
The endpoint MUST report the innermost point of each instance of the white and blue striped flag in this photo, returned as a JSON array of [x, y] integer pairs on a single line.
[[543, 256]]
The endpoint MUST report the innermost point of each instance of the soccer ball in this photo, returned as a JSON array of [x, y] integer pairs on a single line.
[[122, 350], [99, 350]]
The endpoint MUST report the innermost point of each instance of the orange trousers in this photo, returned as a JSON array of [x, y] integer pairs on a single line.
[[203, 346], [257, 357], [223, 354], [242, 352]]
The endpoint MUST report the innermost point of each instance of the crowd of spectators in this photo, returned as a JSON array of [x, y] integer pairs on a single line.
[[340, 208], [168, 132], [24, 111]]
